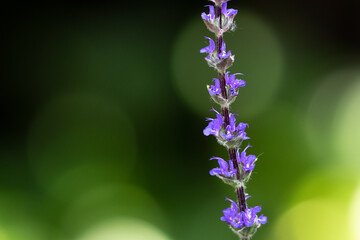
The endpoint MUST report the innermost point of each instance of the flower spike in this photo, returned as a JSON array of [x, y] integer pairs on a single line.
[[236, 172]]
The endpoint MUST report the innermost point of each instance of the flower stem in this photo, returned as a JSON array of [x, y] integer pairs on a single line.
[[240, 191]]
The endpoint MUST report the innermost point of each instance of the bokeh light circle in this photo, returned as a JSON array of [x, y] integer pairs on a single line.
[[19, 218], [333, 183], [80, 141], [258, 56], [124, 229], [346, 127], [325, 113], [355, 214], [315, 219], [109, 202], [319, 208]]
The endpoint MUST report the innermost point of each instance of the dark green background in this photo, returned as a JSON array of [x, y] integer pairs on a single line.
[[103, 106]]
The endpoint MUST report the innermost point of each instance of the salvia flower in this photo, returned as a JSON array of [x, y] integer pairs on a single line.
[[233, 83], [223, 53], [242, 219], [211, 22], [229, 15], [221, 61], [248, 162], [215, 89], [211, 15], [223, 170], [235, 172], [228, 12], [209, 49], [250, 216], [262, 219], [214, 126], [232, 216], [233, 135]]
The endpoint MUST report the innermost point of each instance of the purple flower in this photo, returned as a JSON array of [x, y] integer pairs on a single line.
[[232, 216], [232, 121], [227, 132], [233, 132], [228, 135], [209, 49], [240, 128], [249, 164], [211, 14], [243, 136], [215, 89], [249, 215], [248, 161], [227, 12], [223, 53], [233, 82], [230, 213], [224, 168], [214, 125], [262, 219]]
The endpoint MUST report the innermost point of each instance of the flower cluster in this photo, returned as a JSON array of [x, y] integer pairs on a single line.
[[243, 219], [223, 171], [231, 88], [236, 171], [227, 172], [220, 61], [230, 135], [213, 23]]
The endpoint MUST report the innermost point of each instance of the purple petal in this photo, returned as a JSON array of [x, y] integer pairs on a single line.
[[243, 153], [212, 12], [223, 164], [223, 47], [262, 219], [231, 164], [243, 136], [251, 158], [224, 219], [215, 171], [227, 80], [220, 119], [209, 49], [242, 126], [249, 222], [228, 136], [232, 78], [217, 82], [240, 83], [224, 8], [256, 209], [223, 55], [205, 16], [238, 155], [233, 205], [213, 110], [231, 12], [207, 131], [232, 121]]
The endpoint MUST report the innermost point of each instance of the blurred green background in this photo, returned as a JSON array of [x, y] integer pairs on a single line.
[[103, 107]]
